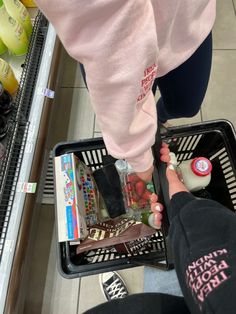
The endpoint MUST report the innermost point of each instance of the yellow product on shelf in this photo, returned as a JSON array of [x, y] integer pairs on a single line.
[[12, 33], [3, 48], [19, 12], [7, 77], [29, 3]]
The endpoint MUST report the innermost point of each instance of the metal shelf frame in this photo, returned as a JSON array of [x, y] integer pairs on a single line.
[[20, 143]]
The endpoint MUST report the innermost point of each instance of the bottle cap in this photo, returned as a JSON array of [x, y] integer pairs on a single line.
[[121, 165], [201, 166]]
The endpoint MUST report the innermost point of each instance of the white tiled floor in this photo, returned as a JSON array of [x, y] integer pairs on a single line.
[[82, 118], [72, 296]]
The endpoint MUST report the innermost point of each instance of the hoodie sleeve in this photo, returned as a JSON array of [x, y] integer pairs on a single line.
[[116, 41], [203, 239]]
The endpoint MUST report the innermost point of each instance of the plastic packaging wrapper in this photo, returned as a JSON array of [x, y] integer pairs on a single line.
[[114, 232]]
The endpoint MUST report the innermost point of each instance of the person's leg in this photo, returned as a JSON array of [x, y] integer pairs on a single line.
[[144, 303], [183, 89]]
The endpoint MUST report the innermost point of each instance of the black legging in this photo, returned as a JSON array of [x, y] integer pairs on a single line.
[[143, 303], [183, 89]]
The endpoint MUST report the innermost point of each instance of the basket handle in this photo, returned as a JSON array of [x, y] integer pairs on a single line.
[[162, 189], [159, 175]]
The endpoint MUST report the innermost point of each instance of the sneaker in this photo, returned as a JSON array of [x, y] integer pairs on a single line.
[[113, 286]]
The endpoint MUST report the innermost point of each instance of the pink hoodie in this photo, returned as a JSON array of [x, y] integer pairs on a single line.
[[124, 45]]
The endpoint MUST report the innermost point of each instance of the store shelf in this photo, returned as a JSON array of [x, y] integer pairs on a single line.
[[21, 143]]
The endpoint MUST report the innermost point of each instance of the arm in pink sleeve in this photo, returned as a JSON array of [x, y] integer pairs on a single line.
[[117, 43]]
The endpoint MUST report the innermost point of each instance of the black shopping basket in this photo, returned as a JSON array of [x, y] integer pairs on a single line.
[[215, 140]]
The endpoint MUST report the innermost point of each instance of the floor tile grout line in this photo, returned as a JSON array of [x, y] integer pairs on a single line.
[[201, 115], [224, 49], [79, 288], [77, 87], [94, 122]]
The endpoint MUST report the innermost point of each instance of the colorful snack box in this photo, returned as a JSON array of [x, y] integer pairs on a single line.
[[71, 212]]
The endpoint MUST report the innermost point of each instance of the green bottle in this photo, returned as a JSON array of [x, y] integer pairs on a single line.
[[3, 48], [12, 33], [18, 11]]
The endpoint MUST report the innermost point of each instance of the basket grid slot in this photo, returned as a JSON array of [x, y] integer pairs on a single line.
[[187, 156], [221, 153], [231, 185], [85, 158], [93, 158], [193, 140], [195, 143], [180, 157], [155, 244], [232, 191], [89, 157], [233, 196], [229, 175], [223, 156], [226, 165], [96, 157], [104, 152], [186, 145], [99, 153], [224, 159], [181, 143], [227, 170]]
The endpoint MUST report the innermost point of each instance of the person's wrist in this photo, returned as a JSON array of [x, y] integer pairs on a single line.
[[146, 175]]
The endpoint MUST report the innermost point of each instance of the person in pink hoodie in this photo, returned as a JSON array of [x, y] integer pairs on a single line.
[[126, 45]]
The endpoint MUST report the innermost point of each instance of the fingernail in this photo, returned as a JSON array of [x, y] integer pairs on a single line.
[[171, 167], [158, 208]]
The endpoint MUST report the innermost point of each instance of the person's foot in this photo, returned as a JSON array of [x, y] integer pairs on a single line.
[[113, 286]]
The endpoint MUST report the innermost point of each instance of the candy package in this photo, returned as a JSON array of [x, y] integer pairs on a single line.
[[114, 232], [137, 193]]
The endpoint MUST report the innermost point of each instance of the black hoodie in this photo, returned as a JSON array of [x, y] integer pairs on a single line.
[[203, 239]]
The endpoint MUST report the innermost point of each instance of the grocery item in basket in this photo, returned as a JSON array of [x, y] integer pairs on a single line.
[[133, 247], [85, 181], [110, 228], [108, 184], [109, 234], [195, 173], [137, 195], [71, 223]]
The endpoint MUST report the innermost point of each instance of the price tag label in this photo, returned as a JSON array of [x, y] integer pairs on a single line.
[[48, 93], [27, 187]]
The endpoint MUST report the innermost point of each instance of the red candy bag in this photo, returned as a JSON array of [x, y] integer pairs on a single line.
[[137, 193]]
